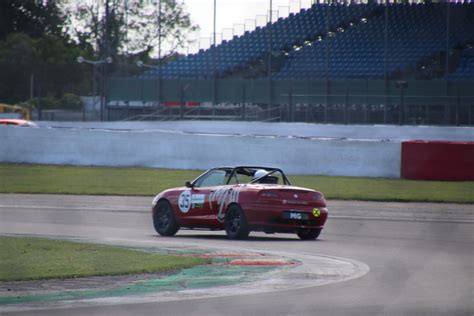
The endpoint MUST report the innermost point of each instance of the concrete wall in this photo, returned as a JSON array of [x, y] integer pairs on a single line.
[[173, 149], [391, 132]]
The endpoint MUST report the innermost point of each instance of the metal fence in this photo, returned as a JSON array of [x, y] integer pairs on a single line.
[[348, 101]]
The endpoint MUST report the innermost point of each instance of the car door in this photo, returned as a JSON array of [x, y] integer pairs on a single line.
[[220, 197], [195, 203]]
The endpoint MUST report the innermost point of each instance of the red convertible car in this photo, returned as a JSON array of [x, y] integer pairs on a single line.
[[240, 200]]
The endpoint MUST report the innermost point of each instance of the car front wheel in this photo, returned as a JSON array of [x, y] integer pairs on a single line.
[[236, 225], [309, 234], [164, 219]]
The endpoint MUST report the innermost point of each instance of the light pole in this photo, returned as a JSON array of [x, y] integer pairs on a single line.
[[141, 64], [94, 64]]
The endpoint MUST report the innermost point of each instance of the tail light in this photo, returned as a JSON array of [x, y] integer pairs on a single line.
[[317, 196]]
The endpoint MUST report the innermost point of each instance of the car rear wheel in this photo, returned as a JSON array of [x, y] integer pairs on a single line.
[[309, 234], [164, 219], [236, 225]]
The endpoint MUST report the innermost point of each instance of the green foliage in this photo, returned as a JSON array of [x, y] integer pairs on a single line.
[[19, 58], [48, 102], [47, 62], [68, 101], [23, 258], [41, 40], [31, 17], [148, 182], [132, 26]]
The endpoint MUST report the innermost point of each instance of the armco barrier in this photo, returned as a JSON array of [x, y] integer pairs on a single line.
[[437, 160], [171, 149]]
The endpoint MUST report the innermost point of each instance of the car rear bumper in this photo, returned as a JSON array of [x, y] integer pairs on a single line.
[[281, 228], [274, 221]]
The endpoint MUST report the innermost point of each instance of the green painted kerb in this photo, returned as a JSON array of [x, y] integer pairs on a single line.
[[191, 278]]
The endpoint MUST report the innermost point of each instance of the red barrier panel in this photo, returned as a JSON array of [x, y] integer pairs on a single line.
[[437, 160], [177, 103]]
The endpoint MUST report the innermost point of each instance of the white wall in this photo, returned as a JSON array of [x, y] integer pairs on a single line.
[[172, 149], [391, 132]]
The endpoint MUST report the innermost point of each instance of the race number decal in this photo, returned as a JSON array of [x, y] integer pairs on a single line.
[[184, 201]]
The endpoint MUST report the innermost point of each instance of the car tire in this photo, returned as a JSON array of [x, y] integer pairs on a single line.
[[236, 225], [309, 234], [164, 220]]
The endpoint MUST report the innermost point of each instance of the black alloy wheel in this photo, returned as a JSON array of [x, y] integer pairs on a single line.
[[164, 219], [236, 225]]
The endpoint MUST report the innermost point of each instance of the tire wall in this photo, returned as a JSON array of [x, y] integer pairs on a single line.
[[169, 149], [437, 160]]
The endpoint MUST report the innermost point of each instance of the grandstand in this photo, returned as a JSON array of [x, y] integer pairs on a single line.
[[465, 69], [341, 42], [398, 63]]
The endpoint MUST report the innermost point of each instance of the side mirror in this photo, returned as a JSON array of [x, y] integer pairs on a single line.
[[188, 184]]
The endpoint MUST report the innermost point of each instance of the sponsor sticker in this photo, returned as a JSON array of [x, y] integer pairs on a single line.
[[197, 200], [187, 200], [316, 212]]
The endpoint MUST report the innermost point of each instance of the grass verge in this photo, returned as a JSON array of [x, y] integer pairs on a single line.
[[24, 258], [148, 182]]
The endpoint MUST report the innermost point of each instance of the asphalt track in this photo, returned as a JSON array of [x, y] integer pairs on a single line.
[[420, 255]]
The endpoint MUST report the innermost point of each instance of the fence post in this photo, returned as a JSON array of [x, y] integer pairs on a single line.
[[469, 112], [446, 111], [181, 104], [290, 104], [400, 108], [243, 100], [427, 114], [458, 101], [328, 101], [346, 104]]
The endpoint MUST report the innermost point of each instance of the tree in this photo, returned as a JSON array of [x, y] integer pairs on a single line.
[[19, 58], [60, 72], [129, 27], [35, 52], [47, 61], [32, 17]]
